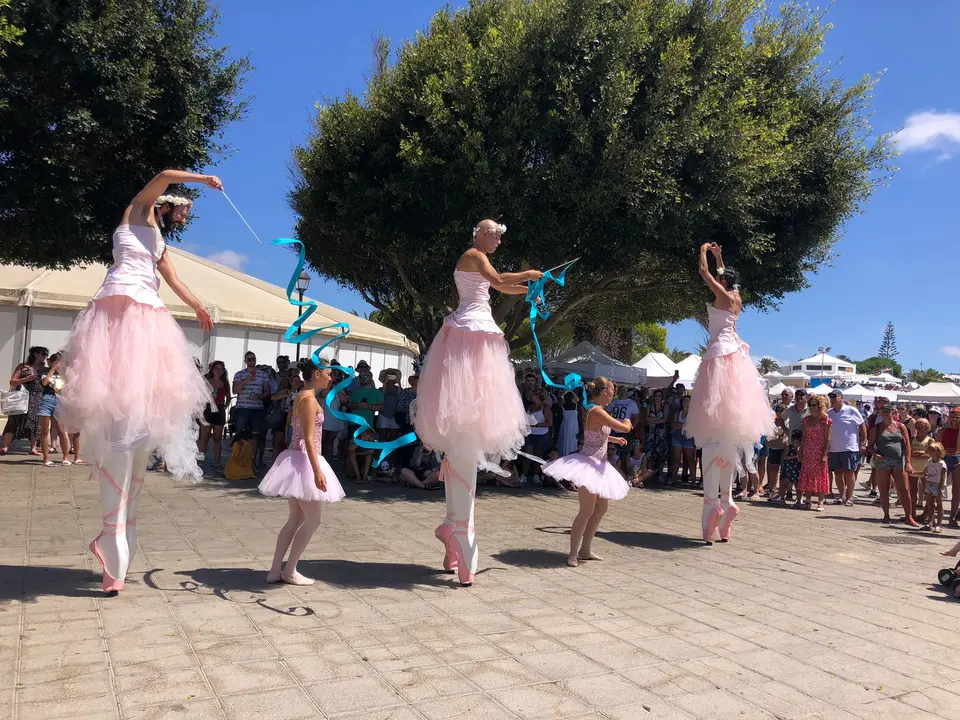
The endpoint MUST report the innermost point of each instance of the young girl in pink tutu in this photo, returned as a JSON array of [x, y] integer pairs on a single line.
[[598, 482], [126, 332], [729, 411], [468, 406], [302, 475]]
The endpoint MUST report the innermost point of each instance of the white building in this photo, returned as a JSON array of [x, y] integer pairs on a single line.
[[38, 307], [823, 365]]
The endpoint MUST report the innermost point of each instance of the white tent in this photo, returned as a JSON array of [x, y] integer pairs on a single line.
[[776, 390], [858, 392], [589, 362], [688, 369], [942, 392], [884, 379], [796, 379], [890, 395], [773, 375], [659, 369], [822, 389]]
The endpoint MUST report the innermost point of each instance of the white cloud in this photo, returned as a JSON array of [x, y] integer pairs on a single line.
[[930, 131], [790, 346], [229, 258], [952, 350]]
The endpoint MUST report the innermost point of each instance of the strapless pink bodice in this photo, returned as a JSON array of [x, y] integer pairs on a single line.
[[136, 251], [474, 312]]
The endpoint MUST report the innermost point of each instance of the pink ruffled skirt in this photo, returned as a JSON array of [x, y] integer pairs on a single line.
[[467, 400], [131, 380], [729, 403], [292, 477], [596, 476]]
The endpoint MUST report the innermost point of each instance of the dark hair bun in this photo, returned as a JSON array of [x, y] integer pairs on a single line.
[[306, 367]]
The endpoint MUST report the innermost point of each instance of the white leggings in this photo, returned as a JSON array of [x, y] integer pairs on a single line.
[[719, 510], [460, 487], [121, 481]]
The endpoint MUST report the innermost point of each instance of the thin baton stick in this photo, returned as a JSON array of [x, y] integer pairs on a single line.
[[570, 262], [242, 217]]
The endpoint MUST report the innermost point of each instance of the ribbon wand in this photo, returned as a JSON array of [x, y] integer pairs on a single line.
[[569, 262]]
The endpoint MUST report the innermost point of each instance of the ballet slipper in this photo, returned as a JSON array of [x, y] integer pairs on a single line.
[[296, 578], [273, 579], [589, 555], [111, 585], [456, 560], [444, 533], [729, 515], [711, 519], [573, 561]]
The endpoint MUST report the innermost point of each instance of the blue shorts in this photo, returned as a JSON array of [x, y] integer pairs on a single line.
[[48, 403], [253, 418], [951, 461], [682, 441], [845, 461], [537, 443]]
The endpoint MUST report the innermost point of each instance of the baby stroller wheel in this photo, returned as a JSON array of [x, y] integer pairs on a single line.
[[956, 588], [946, 577]]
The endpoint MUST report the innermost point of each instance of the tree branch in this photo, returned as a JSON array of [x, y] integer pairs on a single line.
[[599, 290], [414, 293]]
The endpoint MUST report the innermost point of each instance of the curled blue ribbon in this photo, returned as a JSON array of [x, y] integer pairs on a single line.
[[295, 334], [536, 298]]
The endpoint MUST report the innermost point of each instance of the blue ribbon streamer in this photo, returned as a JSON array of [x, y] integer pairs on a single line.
[[294, 334], [536, 298]]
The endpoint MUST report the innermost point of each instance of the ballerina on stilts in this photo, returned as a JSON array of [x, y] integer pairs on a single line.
[[729, 411], [468, 406]]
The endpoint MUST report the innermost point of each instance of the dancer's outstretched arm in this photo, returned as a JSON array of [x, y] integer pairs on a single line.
[[169, 274], [159, 184], [504, 282]]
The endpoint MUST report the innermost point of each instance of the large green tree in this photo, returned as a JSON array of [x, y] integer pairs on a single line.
[[9, 34], [95, 99], [874, 365], [623, 132]]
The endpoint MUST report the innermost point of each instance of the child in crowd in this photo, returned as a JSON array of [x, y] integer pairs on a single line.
[[424, 470], [358, 456], [935, 482], [919, 449], [240, 464], [790, 472], [639, 471]]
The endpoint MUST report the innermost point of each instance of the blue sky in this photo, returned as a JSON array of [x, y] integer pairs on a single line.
[[896, 260]]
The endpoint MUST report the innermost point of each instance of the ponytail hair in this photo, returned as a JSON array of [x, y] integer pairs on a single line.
[[597, 386]]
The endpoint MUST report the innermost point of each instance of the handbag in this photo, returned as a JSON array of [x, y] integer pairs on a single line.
[[14, 402], [275, 416]]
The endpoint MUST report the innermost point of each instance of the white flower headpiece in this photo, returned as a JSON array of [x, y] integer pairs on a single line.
[[497, 228], [173, 200]]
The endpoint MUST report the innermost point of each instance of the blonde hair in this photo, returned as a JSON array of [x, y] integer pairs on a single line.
[[939, 449], [598, 385], [820, 401]]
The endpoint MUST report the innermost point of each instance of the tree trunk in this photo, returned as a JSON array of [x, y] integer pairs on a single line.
[[615, 342]]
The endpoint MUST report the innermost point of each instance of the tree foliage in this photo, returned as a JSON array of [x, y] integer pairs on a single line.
[[623, 132], [888, 347], [9, 34], [647, 338], [923, 377], [874, 365], [678, 355], [96, 99], [767, 365]]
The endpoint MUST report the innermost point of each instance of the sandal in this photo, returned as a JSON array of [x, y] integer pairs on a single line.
[[818, 508], [79, 461], [48, 463], [66, 463]]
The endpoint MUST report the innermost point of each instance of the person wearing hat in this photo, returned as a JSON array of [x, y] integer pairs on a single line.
[[361, 367], [948, 437]]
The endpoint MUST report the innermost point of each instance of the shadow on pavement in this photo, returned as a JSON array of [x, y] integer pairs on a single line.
[[532, 558], [29, 583], [650, 540]]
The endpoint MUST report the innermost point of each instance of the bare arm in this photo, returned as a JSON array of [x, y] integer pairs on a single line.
[[307, 409], [159, 184], [478, 262], [605, 419], [49, 376], [826, 447], [17, 380], [169, 273], [708, 278], [907, 449]]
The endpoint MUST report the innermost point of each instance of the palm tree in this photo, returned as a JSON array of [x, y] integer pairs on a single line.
[[677, 355], [767, 365], [923, 377]]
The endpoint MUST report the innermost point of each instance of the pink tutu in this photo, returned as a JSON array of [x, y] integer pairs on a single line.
[[292, 477], [130, 380], [596, 476], [729, 403], [467, 400]]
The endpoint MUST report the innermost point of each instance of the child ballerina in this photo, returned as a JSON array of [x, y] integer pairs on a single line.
[[597, 480], [935, 482], [468, 406], [302, 475]]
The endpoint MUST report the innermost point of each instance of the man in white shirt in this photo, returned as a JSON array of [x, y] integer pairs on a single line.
[[847, 440], [624, 408]]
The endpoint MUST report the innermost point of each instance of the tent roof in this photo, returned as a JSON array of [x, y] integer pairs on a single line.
[[823, 359], [773, 375], [822, 389], [586, 352], [657, 365], [858, 391], [777, 389], [797, 375], [884, 377], [588, 360], [231, 296], [934, 392]]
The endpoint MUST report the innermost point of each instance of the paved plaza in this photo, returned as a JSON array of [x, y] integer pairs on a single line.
[[803, 615]]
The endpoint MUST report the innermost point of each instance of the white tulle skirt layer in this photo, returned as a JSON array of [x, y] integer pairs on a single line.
[[131, 381], [467, 399]]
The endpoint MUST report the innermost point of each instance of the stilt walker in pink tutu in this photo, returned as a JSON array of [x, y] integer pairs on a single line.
[[132, 386], [729, 411], [468, 406], [597, 481]]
